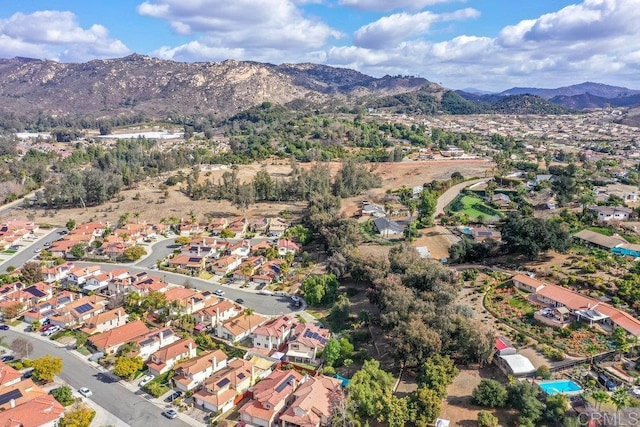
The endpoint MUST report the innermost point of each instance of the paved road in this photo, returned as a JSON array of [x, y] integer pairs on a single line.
[[107, 392], [26, 253], [263, 304], [158, 251]]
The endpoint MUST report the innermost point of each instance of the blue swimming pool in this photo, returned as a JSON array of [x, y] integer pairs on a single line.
[[560, 386]]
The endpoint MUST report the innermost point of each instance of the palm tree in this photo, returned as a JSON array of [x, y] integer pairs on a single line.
[[248, 312], [620, 399], [600, 397]]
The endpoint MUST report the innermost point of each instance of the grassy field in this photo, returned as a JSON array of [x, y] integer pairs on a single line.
[[474, 208]]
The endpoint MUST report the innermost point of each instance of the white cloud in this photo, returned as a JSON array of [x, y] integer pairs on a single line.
[[56, 35], [250, 28], [389, 30], [386, 5]]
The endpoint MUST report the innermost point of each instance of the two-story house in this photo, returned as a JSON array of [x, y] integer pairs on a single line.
[[111, 341], [209, 317], [106, 321], [240, 327], [192, 372], [220, 390], [273, 333], [270, 397], [154, 340], [306, 342], [226, 264], [287, 247], [164, 359], [314, 403]]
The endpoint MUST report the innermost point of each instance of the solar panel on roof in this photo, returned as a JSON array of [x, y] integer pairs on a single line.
[[84, 308], [64, 300], [223, 382], [35, 292], [284, 383], [9, 396], [307, 333]]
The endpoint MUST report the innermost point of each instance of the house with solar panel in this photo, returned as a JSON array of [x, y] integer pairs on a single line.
[[192, 372], [79, 311], [166, 357], [154, 340], [26, 404], [306, 342], [270, 397], [44, 310], [222, 390]]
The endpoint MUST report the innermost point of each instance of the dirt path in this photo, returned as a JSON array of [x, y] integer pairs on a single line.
[[448, 196]]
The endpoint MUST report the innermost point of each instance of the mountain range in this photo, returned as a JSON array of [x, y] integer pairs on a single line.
[[158, 88]]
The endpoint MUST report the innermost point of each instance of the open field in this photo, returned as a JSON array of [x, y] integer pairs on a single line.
[[148, 200], [473, 207]]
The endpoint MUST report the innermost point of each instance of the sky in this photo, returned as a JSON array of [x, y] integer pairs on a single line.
[[483, 44]]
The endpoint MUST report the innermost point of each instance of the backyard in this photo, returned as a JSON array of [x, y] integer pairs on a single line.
[[473, 208]]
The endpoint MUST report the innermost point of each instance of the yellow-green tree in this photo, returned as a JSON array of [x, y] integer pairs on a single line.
[[134, 253], [127, 366], [80, 415], [47, 367]]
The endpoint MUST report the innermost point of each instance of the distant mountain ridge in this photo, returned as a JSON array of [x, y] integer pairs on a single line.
[[157, 87]]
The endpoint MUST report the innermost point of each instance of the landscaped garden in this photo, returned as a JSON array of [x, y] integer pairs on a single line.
[[473, 207], [512, 307]]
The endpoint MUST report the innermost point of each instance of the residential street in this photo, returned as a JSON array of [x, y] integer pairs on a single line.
[[29, 251], [130, 408]]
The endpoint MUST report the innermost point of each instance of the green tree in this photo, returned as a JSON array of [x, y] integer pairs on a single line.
[[127, 366], [426, 405], [487, 419], [71, 224], [183, 240], [543, 372], [64, 395], [47, 367], [396, 411], [490, 393], [78, 250], [320, 288], [227, 234], [619, 338], [340, 312], [134, 253], [427, 206], [437, 373], [600, 397], [368, 388], [523, 396], [620, 399], [331, 352]]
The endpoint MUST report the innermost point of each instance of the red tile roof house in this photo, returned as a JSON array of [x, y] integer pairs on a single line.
[[188, 301], [111, 341], [273, 333], [164, 359], [80, 275], [56, 273], [248, 267], [241, 248], [259, 225], [270, 396], [216, 225], [42, 311], [239, 328], [277, 227], [287, 246], [220, 389], [153, 341], [191, 373], [209, 317], [527, 284], [314, 403], [42, 411], [191, 263], [238, 226], [226, 264], [105, 321], [306, 342], [8, 375], [79, 311]]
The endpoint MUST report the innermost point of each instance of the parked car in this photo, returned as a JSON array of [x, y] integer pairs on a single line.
[[240, 301], [173, 396], [146, 380], [607, 382], [28, 374], [51, 331], [47, 327], [85, 392], [4, 327], [170, 413], [7, 357]]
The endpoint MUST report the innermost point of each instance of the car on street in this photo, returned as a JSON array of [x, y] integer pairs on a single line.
[[4, 327], [170, 413], [240, 301], [219, 292], [47, 244], [146, 380], [85, 391], [7, 357], [173, 396]]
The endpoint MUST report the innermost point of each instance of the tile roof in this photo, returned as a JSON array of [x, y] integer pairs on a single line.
[[314, 399], [119, 335], [42, 410]]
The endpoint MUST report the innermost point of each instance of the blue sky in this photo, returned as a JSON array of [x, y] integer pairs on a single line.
[[486, 44]]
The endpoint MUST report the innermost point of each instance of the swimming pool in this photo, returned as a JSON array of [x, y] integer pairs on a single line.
[[560, 386]]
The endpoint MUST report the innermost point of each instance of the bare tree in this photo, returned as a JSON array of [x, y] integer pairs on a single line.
[[22, 347]]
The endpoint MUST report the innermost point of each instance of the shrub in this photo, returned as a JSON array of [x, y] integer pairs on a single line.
[[487, 419], [490, 393]]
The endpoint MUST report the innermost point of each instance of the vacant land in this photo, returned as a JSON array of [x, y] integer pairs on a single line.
[[474, 208]]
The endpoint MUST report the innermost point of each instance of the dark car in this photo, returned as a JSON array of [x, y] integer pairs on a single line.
[[7, 357], [240, 301], [173, 396], [4, 327], [607, 382], [28, 374]]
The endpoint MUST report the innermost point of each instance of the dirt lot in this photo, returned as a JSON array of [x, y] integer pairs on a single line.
[[147, 199], [458, 408]]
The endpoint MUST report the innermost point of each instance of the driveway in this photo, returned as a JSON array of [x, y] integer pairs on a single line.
[[449, 195]]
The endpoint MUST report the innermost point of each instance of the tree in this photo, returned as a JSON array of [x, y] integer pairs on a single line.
[[331, 352], [543, 372], [487, 419], [78, 250], [534, 235], [396, 412], [227, 234], [247, 313], [64, 395], [71, 224], [426, 404], [600, 397], [12, 311], [490, 393], [619, 338], [183, 240], [620, 399], [523, 396], [320, 288], [437, 373], [368, 388], [47, 367], [80, 415], [134, 253], [427, 206], [340, 311], [127, 366], [35, 325], [31, 272], [22, 347]]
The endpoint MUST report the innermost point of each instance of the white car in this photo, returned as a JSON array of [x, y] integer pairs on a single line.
[[51, 331], [146, 380], [85, 392], [219, 292]]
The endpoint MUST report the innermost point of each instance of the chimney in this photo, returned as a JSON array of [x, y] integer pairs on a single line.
[[161, 335], [214, 362], [12, 403], [190, 345]]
